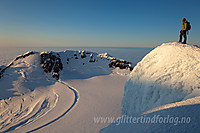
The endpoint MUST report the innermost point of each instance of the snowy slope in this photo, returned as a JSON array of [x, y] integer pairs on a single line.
[[22, 100], [179, 117], [169, 73], [164, 84], [31, 97]]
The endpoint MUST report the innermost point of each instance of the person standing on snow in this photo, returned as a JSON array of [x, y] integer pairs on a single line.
[[183, 31]]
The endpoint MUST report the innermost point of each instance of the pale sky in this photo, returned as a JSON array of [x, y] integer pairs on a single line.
[[112, 23]]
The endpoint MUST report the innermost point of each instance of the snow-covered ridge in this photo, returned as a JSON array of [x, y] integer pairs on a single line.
[[168, 74], [49, 59], [17, 58], [85, 63], [29, 89]]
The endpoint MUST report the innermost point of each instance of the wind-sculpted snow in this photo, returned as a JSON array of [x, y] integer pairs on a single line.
[[168, 74], [162, 94], [20, 111]]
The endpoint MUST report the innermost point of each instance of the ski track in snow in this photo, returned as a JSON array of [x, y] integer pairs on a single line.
[[67, 111]]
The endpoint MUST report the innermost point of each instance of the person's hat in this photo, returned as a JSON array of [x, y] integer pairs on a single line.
[[183, 20]]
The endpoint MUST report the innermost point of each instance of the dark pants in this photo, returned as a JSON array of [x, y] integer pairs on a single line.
[[183, 33]]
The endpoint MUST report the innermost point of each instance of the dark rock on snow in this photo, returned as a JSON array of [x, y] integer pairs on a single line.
[[51, 62]]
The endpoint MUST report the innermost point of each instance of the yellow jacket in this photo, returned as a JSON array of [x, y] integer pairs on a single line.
[[184, 25]]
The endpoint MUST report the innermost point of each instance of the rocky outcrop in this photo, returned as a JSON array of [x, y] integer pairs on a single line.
[[51, 63], [92, 59], [122, 64], [83, 54]]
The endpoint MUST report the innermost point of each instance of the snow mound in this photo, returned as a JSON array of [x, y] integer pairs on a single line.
[[162, 94], [169, 73], [106, 55]]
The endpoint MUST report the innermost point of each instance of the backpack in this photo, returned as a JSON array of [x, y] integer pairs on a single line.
[[188, 26]]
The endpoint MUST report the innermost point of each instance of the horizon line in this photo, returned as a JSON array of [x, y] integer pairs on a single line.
[[83, 47]]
